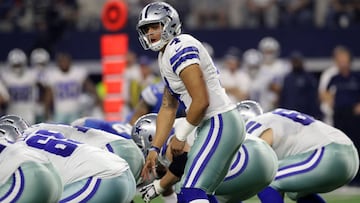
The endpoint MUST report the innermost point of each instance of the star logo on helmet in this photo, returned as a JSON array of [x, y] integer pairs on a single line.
[[137, 129], [167, 9]]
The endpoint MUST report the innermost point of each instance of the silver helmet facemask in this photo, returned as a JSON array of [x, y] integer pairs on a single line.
[[15, 120], [166, 16], [9, 132]]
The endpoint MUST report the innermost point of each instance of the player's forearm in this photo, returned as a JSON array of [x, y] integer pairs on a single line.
[[164, 124], [197, 111], [168, 180]]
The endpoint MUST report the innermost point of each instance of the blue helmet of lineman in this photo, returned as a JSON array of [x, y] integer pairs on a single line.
[[249, 109], [164, 14], [143, 131], [15, 120], [9, 132]]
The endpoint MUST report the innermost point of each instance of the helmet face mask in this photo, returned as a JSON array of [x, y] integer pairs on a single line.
[[166, 16], [16, 121], [249, 109], [9, 132]]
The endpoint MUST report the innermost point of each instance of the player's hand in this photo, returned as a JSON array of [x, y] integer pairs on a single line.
[[149, 192], [177, 146], [150, 165]]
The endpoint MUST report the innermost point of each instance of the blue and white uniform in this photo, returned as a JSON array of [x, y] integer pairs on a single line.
[[67, 89], [221, 132], [22, 91], [110, 136], [27, 175], [308, 151], [86, 171]]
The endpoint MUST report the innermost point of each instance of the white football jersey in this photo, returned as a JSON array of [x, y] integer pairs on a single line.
[[66, 87], [93, 137], [12, 155], [295, 132], [74, 160], [22, 91], [185, 50]]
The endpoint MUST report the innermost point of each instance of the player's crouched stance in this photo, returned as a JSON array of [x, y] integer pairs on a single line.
[[253, 166], [313, 156], [88, 173], [26, 175]]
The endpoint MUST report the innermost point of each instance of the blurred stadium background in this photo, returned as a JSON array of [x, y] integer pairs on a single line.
[[310, 27]]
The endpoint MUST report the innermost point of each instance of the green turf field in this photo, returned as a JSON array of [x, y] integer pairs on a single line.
[[343, 195]]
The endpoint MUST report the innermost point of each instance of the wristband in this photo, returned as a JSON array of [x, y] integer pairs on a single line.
[[158, 188], [156, 149], [183, 129]]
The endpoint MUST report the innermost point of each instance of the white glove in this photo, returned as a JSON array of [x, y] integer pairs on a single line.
[[151, 191]]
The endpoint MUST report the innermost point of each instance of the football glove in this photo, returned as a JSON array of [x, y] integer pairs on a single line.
[[151, 191]]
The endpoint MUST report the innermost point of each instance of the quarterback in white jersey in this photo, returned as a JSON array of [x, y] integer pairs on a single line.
[[26, 175], [308, 151], [20, 82], [192, 79], [86, 171]]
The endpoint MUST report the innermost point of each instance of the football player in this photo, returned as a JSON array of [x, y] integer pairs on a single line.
[[40, 59], [111, 136], [191, 78], [267, 83], [20, 82], [87, 172], [26, 175], [308, 151]]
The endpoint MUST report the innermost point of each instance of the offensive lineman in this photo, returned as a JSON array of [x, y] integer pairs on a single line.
[[26, 175], [308, 151], [87, 172], [120, 144]]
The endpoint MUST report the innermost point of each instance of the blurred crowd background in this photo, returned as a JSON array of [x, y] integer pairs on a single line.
[[297, 54], [30, 15]]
